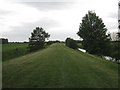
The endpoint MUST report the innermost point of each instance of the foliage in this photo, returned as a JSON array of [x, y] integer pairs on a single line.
[[115, 50], [118, 34], [71, 43], [93, 32], [3, 41], [52, 42], [78, 41], [119, 26], [80, 45], [37, 39]]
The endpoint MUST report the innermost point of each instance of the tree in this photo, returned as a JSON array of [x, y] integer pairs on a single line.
[[93, 32], [118, 34], [71, 43], [3, 41], [37, 39], [115, 50]]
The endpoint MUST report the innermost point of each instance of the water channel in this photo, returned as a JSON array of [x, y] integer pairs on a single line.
[[105, 57]]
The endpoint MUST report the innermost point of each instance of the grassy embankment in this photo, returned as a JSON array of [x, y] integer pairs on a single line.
[[59, 67]]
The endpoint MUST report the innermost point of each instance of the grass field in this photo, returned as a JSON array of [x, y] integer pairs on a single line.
[[59, 67], [13, 50]]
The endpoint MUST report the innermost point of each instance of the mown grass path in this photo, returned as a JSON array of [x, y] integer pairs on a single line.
[[60, 67]]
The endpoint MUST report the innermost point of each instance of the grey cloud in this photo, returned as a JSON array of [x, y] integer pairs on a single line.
[[62, 35], [5, 12], [113, 15], [45, 6], [44, 0], [112, 25]]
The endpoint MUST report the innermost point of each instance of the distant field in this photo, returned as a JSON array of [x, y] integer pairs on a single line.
[[59, 67], [14, 50]]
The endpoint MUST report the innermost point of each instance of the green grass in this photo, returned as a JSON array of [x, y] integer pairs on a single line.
[[59, 67], [9, 50]]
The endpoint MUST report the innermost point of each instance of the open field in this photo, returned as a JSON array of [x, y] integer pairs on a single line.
[[59, 67], [14, 50]]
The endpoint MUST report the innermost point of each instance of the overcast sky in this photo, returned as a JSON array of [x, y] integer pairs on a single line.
[[60, 18]]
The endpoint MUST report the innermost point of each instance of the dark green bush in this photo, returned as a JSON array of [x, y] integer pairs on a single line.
[[71, 43], [115, 50], [51, 42]]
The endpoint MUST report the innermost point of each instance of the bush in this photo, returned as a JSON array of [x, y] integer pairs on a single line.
[[71, 43], [51, 42], [33, 46], [115, 50]]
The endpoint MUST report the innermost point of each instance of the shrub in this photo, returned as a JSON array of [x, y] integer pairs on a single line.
[[71, 43]]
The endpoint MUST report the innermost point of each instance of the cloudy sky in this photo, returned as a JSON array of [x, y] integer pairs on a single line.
[[60, 18]]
